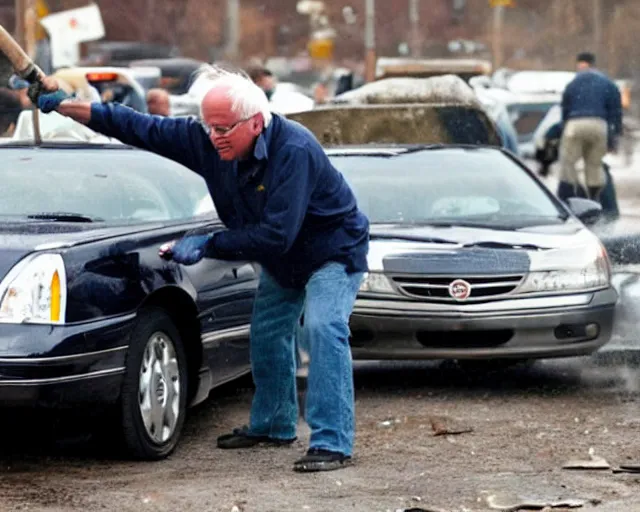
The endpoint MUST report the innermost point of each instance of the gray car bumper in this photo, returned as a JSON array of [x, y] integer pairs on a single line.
[[542, 327]]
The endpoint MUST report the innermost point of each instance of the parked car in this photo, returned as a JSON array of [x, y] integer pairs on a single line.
[[471, 257], [116, 84], [466, 69], [90, 315], [527, 110], [176, 73], [121, 53], [437, 110]]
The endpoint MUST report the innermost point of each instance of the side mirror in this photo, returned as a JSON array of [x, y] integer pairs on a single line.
[[588, 211]]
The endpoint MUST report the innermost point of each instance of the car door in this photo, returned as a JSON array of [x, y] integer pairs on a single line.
[[226, 291]]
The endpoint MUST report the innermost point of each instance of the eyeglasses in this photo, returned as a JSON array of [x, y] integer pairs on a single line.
[[220, 129]]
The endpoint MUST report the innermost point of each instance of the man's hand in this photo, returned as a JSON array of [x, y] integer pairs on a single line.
[[47, 95], [189, 250]]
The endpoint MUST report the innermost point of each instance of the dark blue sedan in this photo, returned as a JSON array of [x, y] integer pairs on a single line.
[[90, 314]]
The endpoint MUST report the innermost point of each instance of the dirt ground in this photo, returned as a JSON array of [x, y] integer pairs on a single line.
[[526, 424]]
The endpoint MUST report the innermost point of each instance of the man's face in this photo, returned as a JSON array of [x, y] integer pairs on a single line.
[[232, 136], [582, 65]]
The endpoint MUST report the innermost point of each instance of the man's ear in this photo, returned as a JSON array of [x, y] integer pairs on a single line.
[[257, 123]]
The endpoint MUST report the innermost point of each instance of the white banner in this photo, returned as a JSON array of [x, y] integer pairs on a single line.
[[77, 25]]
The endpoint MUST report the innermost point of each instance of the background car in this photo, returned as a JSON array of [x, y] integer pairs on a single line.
[[112, 84], [437, 110], [90, 315]]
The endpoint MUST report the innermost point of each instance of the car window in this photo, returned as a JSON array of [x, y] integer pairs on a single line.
[[115, 185], [454, 184], [527, 117]]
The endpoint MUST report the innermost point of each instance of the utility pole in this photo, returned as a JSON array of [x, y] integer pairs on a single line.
[[498, 50], [20, 8], [30, 26], [414, 18], [370, 40], [597, 28], [233, 29]]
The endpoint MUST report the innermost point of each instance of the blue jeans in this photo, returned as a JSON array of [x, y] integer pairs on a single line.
[[327, 302]]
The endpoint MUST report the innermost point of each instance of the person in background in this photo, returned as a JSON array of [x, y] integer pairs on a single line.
[[547, 155], [281, 100], [264, 79], [321, 92], [158, 102], [10, 108], [592, 122]]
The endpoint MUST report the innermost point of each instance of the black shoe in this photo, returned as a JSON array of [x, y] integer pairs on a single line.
[[241, 438], [321, 460]]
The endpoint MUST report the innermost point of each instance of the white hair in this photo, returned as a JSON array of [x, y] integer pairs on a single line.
[[247, 98]]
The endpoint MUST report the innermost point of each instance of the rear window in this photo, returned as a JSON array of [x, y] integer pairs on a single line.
[[114, 185], [399, 124], [527, 117]]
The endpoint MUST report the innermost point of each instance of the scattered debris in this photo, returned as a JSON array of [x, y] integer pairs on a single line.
[[627, 468], [443, 425], [239, 506], [511, 503], [420, 509], [594, 462], [389, 423]]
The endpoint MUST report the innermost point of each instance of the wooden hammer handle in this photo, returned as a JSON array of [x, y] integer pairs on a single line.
[[20, 61]]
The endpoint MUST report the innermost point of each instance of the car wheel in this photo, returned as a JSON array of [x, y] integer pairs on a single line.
[[154, 392]]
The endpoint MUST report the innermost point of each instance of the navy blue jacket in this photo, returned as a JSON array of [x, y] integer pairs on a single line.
[[593, 94], [286, 207]]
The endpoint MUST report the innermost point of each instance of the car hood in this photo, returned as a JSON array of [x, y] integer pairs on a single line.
[[21, 238], [503, 247]]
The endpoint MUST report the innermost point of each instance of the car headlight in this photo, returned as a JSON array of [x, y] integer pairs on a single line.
[[376, 282], [35, 291], [575, 269]]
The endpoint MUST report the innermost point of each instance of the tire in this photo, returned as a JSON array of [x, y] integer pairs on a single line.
[[165, 399]]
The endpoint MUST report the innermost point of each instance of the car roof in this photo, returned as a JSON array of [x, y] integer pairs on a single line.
[[417, 123], [445, 89]]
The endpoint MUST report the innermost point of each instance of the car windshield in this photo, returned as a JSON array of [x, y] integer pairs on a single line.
[[98, 183], [478, 186]]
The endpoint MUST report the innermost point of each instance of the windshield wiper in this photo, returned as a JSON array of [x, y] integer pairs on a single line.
[[63, 217], [409, 238], [501, 245]]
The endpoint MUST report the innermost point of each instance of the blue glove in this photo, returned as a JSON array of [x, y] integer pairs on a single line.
[[49, 101], [17, 83], [190, 249]]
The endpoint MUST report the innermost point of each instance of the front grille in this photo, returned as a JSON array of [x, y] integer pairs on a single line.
[[436, 288]]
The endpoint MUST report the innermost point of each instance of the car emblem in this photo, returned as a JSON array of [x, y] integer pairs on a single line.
[[460, 289]]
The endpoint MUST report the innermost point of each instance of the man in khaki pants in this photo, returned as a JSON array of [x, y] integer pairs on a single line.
[[592, 120]]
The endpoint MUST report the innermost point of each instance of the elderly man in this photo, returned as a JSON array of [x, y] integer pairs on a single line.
[[592, 120], [286, 207]]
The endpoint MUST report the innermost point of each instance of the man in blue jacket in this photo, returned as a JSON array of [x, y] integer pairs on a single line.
[[592, 119], [286, 207]]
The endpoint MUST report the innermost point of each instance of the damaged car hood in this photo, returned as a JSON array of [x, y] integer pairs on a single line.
[[388, 240]]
